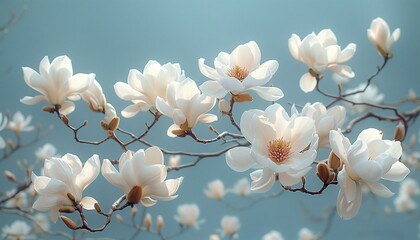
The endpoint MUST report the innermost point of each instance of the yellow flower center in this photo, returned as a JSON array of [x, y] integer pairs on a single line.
[[279, 150], [238, 73]]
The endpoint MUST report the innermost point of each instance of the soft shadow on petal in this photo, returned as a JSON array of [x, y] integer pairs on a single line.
[[89, 172], [113, 176], [347, 185], [213, 89], [379, 189], [397, 173], [307, 82], [265, 182], [239, 159], [347, 210]]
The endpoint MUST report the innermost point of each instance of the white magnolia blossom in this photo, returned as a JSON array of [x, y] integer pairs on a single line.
[[3, 124], [240, 71], [142, 176], [242, 187], [56, 83], [230, 226], [19, 200], [409, 187], [214, 237], [16, 231], [282, 147], [306, 234], [20, 123], [41, 223], [187, 215], [174, 161], [45, 152], [320, 52], [404, 203], [325, 120], [273, 235], [186, 106], [110, 113], [94, 97], [142, 89], [368, 160], [64, 176], [371, 96], [380, 35], [215, 189]]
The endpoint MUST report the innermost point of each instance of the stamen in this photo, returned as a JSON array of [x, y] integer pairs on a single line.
[[238, 73], [279, 150]]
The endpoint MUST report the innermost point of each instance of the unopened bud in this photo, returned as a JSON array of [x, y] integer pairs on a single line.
[[66, 209], [65, 119], [104, 126], [178, 133], [113, 125], [412, 95], [134, 211], [323, 172], [334, 162], [134, 195], [48, 109], [159, 223], [399, 132], [69, 223], [244, 97], [224, 106], [97, 207], [119, 218], [147, 221], [71, 197], [10, 176], [10, 144]]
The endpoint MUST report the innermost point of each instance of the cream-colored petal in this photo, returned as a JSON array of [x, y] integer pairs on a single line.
[[239, 159], [89, 172]]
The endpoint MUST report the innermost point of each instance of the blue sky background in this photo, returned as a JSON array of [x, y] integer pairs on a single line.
[[110, 37]]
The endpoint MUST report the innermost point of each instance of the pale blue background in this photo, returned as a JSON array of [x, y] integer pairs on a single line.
[[110, 37]]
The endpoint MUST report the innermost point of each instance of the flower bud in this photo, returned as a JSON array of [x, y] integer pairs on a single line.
[[69, 223], [224, 106], [71, 197], [134, 195], [119, 218], [48, 109], [113, 125], [10, 176], [323, 172], [334, 162], [64, 119], [159, 223], [66, 209], [243, 97], [399, 132], [97, 207], [147, 221]]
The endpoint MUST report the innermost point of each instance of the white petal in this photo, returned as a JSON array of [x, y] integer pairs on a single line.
[[213, 89], [33, 100], [67, 107], [379, 189], [397, 173], [88, 203], [134, 109], [239, 159], [153, 155], [207, 118], [231, 84], [126, 92], [164, 190], [268, 93], [342, 70], [347, 53], [207, 71], [164, 107], [347, 185], [294, 43], [265, 182], [348, 210], [339, 144], [113, 176], [307, 82], [48, 186], [287, 180], [89, 172]]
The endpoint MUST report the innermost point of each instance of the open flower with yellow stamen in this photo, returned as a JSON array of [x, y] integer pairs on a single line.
[[282, 147], [238, 72]]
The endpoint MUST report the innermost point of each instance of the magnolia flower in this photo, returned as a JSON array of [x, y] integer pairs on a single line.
[[242, 187], [19, 200], [325, 120], [273, 235], [368, 160], [306, 234], [63, 177], [16, 231], [404, 203], [371, 96], [187, 215], [142, 89], [142, 177], [379, 35], [3, 124], [186, 106], [320, 52], [174, 161], [94, 97], [215, 189], [238, 72], [283, 147], [45, 152], [41, 223], [20, 124], [214, 237], [230, 226], [409, 187], [56, 82]]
